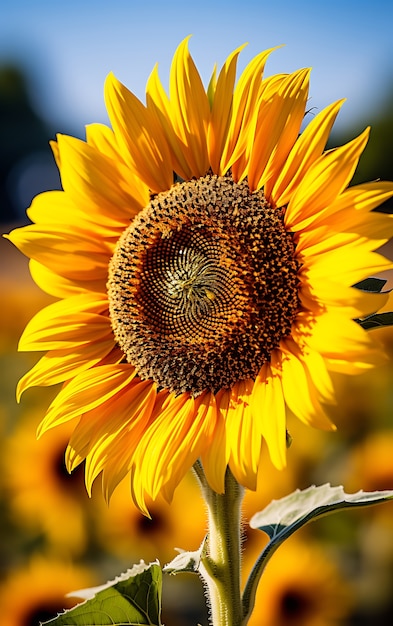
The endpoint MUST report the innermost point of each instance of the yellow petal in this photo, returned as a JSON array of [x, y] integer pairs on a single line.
[[268, 409], [159, 443], [68, 323], [347, 265], [352, 211], [113, 454], [329, 293], [211, 88], [103, 139], [221, 110], [64, 250], [209, 425], [60, 365], [172, 444], [189, 109], [85, 392], [345, 228], [61, 287], [300, 392], [243, 434], [94, 183], [323, 182], [54, 207], [333, 335], [158, 102], [305, 151], [280, 116], [215, 457], [244, 110], [93, 425], [140, 138]]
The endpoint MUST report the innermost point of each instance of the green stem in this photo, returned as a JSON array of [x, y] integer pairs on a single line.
[[251, 587], [220, 563]]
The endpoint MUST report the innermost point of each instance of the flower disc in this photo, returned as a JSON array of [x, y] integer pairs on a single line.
[[203, 285]]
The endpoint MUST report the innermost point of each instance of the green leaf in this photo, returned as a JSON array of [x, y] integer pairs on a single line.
[[134, 598], [375, 285], [281, 518], [376, 320], [186, 561]]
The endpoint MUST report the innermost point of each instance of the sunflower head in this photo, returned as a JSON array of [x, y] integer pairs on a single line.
[[203, 251]]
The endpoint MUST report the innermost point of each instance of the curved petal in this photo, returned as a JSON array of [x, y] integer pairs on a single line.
[[103, 139], [60, 365], [352, 211], [346, 265], [280, 116], [268, 409], [323, 182], [243, 435], [221, 110], [308, 147], [158, 102], [112, 455], [61, 287], [215, 457], [333, 335], [54, 207], [94, 183], [344, 229], [301, 373], [92, 427], [208, 426], [172, 444], [65, 252], [141, 140], [328, 293], [189, 109], [244, 110], [85, 392], [68, 323]]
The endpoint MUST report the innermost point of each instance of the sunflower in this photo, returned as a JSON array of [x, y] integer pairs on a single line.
[[203, 251], [37, 591], [121, 529], [369, 463], [303, 586], [42, 500]]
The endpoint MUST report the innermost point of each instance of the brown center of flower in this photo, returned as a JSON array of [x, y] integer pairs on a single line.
[[203, 285]]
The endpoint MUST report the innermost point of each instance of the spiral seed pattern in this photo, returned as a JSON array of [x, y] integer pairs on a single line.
[[203, 285]]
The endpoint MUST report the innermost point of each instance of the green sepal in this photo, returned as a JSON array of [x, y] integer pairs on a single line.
[[377, 320], [133, 598], [375, 285]]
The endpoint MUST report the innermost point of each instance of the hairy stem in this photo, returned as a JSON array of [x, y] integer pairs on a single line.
[[220, 565]]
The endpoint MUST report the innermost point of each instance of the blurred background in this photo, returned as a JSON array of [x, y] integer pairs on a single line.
[[54, 57]]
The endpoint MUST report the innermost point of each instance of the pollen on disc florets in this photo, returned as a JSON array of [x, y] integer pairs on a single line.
[[203, 285]]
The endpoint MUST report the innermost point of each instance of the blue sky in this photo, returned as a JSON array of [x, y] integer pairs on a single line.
[[71, 45]]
